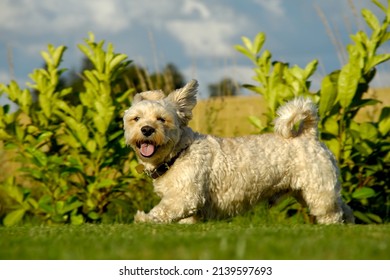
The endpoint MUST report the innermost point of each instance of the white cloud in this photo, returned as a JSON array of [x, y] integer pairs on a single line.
[[205, 35], [191, 6], [197, 42], [274, 7], [197, 31], [46, 16], [151, 12], [107, 14], [203, 28]]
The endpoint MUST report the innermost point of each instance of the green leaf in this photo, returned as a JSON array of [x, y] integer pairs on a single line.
[[247, 43], [360, 103], [368, 218], [25, 101], [347, 84], [115, 136], [331, 126], [375, 218], [296, 72], [116, 61], [44, 136], [13, 90], [47, 58], [68, 139], [15, 192], [376, 2], [93, 215], [91, 146], [33, 172], [264, 62], [256, 122], [258, 42], [14, 217], [86, 51], [363, 192], [39, 158], [371, 19], [334, 145], [76, 219], [92, 78], [64, 107], [378, 59], [362, 45], [310, 68], [368, 131], [45, 104], [91, 37], [45, 203], [78, 129], [100, 124], [244, 51], [361, 216], [384, 38], [125, 95], [106, 183], [72, 206], [328, 96], [99, 60], [384, 121], [59, 206], [57, 55], [30, 203]]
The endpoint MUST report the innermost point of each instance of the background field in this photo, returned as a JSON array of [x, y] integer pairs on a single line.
[[236, 239], [228, 116]]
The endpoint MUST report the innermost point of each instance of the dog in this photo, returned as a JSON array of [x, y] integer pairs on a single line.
[[200, 177]]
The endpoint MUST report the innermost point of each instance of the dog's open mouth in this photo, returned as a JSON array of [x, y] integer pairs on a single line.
[[147, 149]]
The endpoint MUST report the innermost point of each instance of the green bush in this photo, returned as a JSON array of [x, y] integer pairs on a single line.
[[73, 164], [361, 148]]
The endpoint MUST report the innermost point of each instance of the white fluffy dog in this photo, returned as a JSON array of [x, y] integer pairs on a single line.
[[200, 177]]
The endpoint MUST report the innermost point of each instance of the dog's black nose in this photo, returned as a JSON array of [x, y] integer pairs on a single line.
[[147, 130]]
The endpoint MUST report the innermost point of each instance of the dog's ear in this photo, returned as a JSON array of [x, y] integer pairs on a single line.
[[184, 100], [148, 95]]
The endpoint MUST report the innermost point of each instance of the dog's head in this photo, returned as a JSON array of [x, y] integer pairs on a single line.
[[153, 124]]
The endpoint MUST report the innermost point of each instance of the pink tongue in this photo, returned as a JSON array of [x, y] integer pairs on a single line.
[[147, 149]]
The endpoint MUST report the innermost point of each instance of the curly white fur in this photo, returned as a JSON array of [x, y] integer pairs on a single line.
[[215, 178]]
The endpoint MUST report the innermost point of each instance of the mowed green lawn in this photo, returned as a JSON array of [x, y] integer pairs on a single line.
[[237, 239]]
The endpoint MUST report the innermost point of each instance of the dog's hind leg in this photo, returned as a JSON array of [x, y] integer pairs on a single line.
[[325, 203], [325, 206]]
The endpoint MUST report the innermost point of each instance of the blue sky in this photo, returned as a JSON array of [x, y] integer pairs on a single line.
[[196, 35]]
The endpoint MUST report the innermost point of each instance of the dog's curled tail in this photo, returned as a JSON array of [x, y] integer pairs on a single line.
[[297, 117]]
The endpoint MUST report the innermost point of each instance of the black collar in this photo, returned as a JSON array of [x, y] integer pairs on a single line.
[[161, 169]]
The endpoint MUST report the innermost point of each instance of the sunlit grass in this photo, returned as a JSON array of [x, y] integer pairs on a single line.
[[237, 239]]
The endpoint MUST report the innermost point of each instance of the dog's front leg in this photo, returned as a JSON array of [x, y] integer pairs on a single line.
[[168, 211]]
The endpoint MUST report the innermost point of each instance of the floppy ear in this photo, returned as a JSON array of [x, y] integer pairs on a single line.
[[184, 100], [148, 95]]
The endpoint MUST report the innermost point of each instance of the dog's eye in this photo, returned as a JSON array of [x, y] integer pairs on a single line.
[[161, 119], [136, 119]]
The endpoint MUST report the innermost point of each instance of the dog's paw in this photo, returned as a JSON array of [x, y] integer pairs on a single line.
[[141, 217], [189, 220]]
